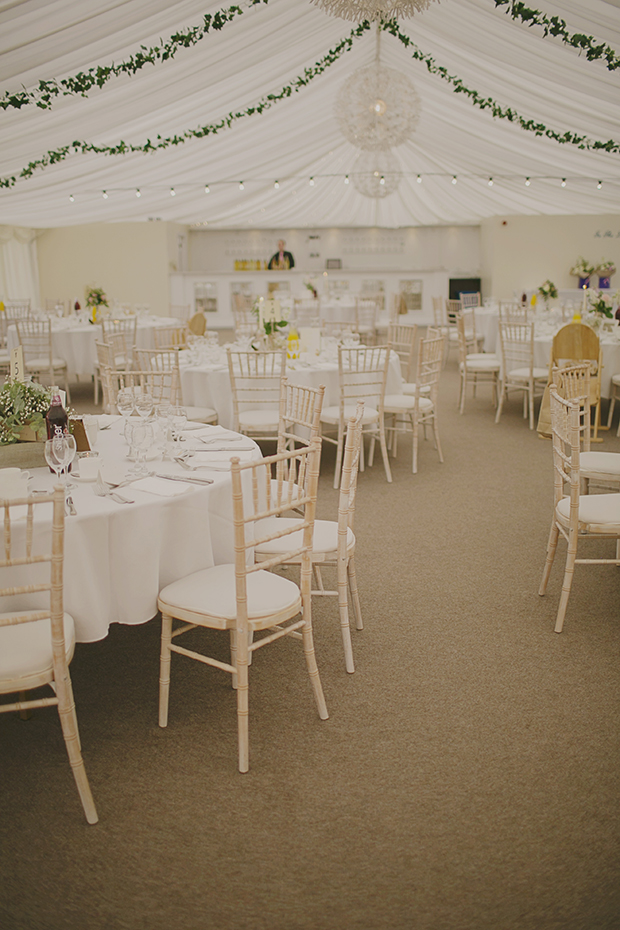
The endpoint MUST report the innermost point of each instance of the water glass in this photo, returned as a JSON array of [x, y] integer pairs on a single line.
[[125, 402], [144, 405]]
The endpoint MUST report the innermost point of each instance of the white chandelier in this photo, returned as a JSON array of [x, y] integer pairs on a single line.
[[376, 174], [377, 108], [359, 10]]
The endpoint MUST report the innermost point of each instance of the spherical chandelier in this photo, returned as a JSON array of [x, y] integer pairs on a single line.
[[359, 10], [377, 108], [376, 174]]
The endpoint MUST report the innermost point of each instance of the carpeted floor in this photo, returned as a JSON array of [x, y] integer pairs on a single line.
[[468, 776]]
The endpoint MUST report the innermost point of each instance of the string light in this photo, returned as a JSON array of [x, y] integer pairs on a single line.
[[599, 185], [105, 195], [276, 185], [419, 179], [138, 194], [563, 184], [241, 186], [382, 181], [527, 182], [71, 198], [346, 179], [490, 182], [207, 190], [454, 179], [311, 182], [173, 193]]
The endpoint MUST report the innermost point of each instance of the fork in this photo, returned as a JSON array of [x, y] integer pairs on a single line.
[[101, 489]]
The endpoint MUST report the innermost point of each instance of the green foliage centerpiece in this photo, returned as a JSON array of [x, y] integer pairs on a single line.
[[23, 406]]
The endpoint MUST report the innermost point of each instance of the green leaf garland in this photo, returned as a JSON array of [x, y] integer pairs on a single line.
[[81, 83], [554, 26], [163, 142], [488, 103]]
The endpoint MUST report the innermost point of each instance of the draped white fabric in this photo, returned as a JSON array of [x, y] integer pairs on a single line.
[[19, 275], [298, 138]]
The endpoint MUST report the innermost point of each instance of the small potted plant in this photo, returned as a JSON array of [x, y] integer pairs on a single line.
[[548, 291], [95, 300], [583, 270], [604, 270]]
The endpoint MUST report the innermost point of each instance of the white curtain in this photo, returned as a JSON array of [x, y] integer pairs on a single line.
[[19, 270]]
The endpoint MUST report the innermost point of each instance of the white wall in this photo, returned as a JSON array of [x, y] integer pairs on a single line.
[[520, 252], [130, 261], [453, 249]]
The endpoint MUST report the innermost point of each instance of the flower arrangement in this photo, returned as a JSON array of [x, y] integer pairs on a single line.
[[311, 288], [601, 303], [606, 268], [548, 291], [582, 268], [95, 298], [22, 404], [269, 316]]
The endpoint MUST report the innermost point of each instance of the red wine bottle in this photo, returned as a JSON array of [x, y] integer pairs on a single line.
[[56, 418]]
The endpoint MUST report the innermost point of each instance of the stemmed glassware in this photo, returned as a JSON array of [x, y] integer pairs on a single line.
[[143, 405], [178, 420], [125, 402], [59, 453]]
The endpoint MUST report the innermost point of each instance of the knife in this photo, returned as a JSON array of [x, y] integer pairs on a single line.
[[190, 480]]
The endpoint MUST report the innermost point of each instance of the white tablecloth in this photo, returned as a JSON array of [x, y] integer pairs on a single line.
[[75, 342], [208, 384], [119, 556]]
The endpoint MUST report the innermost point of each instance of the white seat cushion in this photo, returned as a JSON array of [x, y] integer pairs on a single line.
[[212, 592], [409, 387], [616, 378], [259, 419], [324, 540], [523, 374], [600, 511], [482, 364], [600, 463], [201, 414], [36, 363], [397, 402], [26, 650], [332, 414]]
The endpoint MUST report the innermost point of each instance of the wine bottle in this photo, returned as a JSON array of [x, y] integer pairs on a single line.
[[56, 418]]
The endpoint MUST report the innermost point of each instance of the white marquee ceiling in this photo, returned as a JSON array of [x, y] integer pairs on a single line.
[[298, 138]]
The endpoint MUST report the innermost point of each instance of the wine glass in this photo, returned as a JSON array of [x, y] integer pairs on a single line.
[[140, 440], [144, 404], [125, 402], [69, 455], [178, 418], [91, 427], [54, 454]]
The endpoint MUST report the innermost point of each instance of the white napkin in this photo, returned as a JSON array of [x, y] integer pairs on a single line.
[[161, 486]]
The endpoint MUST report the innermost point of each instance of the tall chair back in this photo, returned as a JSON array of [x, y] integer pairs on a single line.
[[256, 381]]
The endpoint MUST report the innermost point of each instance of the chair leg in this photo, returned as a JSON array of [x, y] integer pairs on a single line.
[[500, 406], [343, 609], [164, 669], [552, 545], [242, 701], [339, 450], [612, 404], [68, 722], [384, 452], [313, 670], [569, 571], [415, 430], [436, 434], [355, 598]]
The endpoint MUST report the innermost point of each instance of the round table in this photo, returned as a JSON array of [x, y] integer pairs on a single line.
[[119, 556]]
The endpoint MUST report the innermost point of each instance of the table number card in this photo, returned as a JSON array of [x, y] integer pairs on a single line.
[[16, 371]]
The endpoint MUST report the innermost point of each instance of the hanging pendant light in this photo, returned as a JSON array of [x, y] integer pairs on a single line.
[[376, 174], [359, 10]]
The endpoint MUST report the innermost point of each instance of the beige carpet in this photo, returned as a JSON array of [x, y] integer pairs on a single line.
[[467, 778]]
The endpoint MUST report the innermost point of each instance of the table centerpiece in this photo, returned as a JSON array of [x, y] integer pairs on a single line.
[[604, 270], [548, 291], [23, 406], [95, 300], [583, 270]]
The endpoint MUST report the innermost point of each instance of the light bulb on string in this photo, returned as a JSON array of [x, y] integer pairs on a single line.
[[527, 182], [454, 179], [563, 184], [105, 195], [490, 182], [382, 181], [276, 185], [346, 179], [241, 186], [311, 182], [207, 189], [71, 198], [599, 185], [419, 179], [138, 194]]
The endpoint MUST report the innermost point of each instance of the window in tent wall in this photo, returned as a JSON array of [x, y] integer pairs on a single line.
[[374, 289], [205, 296], [336, 287], [411, 291]]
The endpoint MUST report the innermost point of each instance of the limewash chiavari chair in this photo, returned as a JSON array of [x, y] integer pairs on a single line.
[[166, 360], [470, 300], [401, 338], [256, 383], [18, 309], [120, 335], [479, 367], [307, 311], [300, 415], [333, 542], [577, 342], [163, 386], [406, 412], [576, 516], [170, 336], [518, 372], [246, 598], [362, 374], [366, 312], [37, 638], [245, 321], [181, 312], [35, 338]]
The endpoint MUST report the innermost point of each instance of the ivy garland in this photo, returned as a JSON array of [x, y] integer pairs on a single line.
[[499, 112], [84, 81], [163, 142], [555, 26]]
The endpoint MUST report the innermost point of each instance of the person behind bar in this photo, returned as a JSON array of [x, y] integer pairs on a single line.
[[281, 260]]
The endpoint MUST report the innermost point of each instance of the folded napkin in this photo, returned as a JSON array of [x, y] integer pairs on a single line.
[[161, 486]]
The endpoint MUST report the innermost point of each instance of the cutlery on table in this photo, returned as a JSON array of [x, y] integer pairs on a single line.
[[101, 489], [193, 479]]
